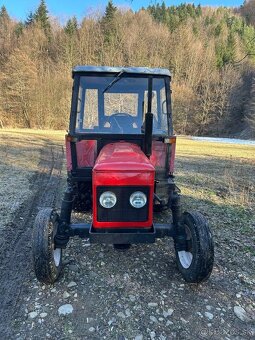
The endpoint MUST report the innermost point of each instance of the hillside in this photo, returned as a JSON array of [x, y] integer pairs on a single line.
[[210, 51]]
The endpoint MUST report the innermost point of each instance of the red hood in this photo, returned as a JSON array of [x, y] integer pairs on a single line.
[[122, 156]]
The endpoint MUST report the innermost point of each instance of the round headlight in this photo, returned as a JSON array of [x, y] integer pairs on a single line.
[[138, 199], [108, 199]]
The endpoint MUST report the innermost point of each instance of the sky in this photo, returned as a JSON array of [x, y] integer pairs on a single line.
[[63, 9]]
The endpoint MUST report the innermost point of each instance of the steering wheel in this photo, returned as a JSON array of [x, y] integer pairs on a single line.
[[122, 122]]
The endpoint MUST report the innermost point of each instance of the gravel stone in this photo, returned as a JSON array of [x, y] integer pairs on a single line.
[[183, 320], [32, 315], [65, 309], [43, 315], [167, 313], [153, 319], [168, 323], [139, 337], [127, 312], [92, 329], [111, 321], [121, 315], [72, 284], [209, 315], [132, 298], [152, 334], [240, 312], [66, 295], [152, 304]]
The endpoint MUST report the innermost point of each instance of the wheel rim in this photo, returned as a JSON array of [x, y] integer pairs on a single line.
[[57, 256], [186, 256], [57, 252]]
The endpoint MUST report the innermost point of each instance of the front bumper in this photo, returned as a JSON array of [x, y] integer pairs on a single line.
[[120, 235]]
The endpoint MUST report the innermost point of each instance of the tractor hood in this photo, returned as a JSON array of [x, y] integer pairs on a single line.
[[122, 168], [122, 156]]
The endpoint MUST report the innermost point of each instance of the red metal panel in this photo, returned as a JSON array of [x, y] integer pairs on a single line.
[[158, 155], [86, 154]]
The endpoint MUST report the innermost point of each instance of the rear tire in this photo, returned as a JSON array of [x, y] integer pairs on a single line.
[[47, 259], [196, 262]]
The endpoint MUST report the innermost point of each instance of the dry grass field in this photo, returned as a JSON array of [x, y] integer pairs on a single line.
[[138, 294], [19, 159]]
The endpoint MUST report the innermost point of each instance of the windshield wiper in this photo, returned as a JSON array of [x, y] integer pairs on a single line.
[[117, 78]]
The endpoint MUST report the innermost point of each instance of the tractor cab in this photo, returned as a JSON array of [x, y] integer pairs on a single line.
[[115, 100]]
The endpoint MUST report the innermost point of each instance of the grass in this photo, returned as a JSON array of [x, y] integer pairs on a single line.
[[215, 171], [192, 148], [19, 158], [218, 180]]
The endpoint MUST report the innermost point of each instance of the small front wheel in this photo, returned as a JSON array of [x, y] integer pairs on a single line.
[[196, 262], [47, 258]]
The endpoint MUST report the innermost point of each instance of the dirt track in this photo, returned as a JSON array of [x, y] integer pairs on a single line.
[[15, 250], [137, 294]]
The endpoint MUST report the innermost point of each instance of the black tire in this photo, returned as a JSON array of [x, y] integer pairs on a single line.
[[196, 263], [47, 260]]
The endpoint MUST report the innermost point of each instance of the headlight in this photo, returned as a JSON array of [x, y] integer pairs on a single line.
[[138, 199], [108, 199]]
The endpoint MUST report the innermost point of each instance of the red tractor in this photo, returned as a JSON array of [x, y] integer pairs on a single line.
[[120, 152]]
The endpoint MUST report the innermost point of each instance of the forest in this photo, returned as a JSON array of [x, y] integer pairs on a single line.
[[210, 52]]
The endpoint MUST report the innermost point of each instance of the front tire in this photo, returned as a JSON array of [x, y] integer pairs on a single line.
[[196, 262], [46, 257]]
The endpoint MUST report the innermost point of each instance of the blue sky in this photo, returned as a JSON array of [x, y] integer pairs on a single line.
[[63, 9]]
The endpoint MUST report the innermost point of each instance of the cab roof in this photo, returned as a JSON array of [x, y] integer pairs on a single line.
[[110, 69]]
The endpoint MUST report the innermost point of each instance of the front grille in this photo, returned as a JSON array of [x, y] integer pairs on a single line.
[[123, 210]]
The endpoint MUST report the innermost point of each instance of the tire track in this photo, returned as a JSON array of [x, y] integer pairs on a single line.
[[15, 252]]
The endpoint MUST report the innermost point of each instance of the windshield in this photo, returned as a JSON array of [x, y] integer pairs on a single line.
[[107, 104]]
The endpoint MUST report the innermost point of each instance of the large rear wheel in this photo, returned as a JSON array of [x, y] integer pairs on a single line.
[[196, 262], [47, 258]]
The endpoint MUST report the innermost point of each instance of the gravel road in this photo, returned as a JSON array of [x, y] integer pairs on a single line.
[[107, 294]]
